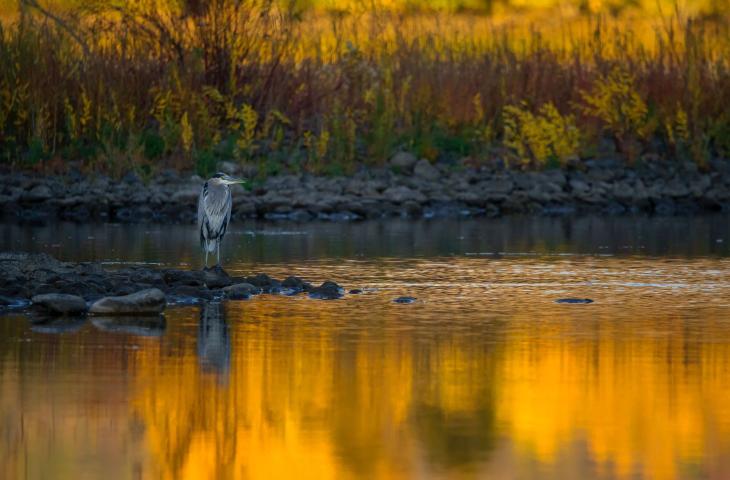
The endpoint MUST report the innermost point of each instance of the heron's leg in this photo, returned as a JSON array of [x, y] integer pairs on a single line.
[[218, 252], [206, 256]]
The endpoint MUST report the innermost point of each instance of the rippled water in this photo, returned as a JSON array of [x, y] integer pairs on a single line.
[[484, 376]]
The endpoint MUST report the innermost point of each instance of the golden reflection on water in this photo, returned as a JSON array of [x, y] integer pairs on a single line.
[[484, 377]]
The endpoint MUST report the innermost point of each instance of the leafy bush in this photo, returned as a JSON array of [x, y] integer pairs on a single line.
[[544, 138]]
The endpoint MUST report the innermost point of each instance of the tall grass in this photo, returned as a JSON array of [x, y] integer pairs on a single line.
[[146, 84]]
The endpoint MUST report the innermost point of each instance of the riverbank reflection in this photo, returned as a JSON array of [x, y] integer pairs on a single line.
[[485, 376]]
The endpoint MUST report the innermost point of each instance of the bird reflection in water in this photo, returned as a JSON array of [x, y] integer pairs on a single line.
[[214, 343]]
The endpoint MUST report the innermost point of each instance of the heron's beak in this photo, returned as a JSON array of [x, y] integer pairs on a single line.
[[236, 181]]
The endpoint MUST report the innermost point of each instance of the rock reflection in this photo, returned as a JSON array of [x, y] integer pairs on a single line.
[[145, 326], [57, 325], [214, 343]]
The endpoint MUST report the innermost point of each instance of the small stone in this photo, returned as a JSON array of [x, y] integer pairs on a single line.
[[146, 302], [327, 291], [60, 304], [574, 300], [424, 169], [38, 193], [296, 283], [403, 161], [355, 291], [241, 291], [264, 282], [230, 168], [405, 300]]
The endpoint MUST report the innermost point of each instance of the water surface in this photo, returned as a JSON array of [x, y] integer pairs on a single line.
[[485, 376]]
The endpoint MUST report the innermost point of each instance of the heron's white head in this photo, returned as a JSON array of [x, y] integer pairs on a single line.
[[225, 179]]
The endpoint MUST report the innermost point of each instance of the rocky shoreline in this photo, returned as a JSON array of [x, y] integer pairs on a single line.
[[50, 288], [406, 188]]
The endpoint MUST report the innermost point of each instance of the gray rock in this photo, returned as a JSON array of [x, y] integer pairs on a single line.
[[240, 291], [38, 193], [60, 304], [403, 194], [188, 195], [424, 169], [403, 161], [230, 168], [574, 300], [675, 188], [264, 282], [327, 291], [216, 277], [497, 188], [146, 302], [405, 300]]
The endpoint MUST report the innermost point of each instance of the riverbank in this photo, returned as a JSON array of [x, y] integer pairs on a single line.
[[406, 188]]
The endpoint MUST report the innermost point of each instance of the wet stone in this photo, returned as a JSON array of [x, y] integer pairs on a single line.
[[60, 304], [327, 291], [296, 283], [405, 300], [241, 291], [216, 277], [574, 300], [146, 302]]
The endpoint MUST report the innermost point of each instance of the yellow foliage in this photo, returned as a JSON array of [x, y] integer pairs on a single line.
[[322, 144], [540, 137], [186, 133], [71, 124], [678, 127], [615, 100], [478, 108], [85, 114], [246, 126]]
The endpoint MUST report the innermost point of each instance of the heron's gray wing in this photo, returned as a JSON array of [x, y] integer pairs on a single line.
[[216, 207], [201, 211]]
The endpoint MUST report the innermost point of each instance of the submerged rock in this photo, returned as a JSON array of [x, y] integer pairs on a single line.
[[241, 291], [327, 291], [405, 300], [146, 302], [296, 284], [574, 300], [12, 302], [264, 282], [60, 303]]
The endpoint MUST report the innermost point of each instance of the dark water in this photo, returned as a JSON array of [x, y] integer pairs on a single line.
[[484, 376]]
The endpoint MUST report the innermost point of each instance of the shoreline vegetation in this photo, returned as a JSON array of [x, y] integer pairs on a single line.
[[284, 89]]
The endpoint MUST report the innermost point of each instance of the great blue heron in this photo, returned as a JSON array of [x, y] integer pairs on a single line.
[[214, 212]]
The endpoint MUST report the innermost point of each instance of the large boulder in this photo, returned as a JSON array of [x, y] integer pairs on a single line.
[[146, 302], [60, 304]]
